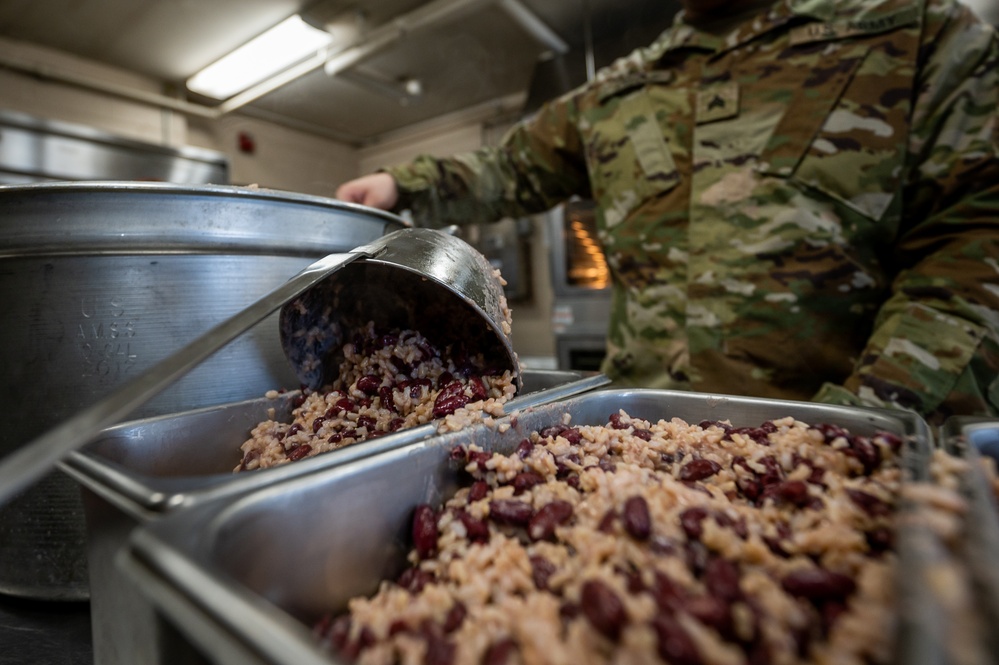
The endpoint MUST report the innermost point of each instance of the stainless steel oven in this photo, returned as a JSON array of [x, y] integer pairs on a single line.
[[581, 285]]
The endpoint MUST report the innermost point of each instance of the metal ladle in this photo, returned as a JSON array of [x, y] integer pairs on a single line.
[[422, 279], [413, 272]]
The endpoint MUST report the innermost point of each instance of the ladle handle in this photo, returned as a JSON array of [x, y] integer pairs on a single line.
[[30, 462]]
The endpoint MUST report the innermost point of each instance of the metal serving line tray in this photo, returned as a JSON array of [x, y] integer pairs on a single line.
[[142, 470], [241, 579]]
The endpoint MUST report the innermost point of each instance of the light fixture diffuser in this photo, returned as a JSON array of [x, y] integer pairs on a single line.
[[259, 59]]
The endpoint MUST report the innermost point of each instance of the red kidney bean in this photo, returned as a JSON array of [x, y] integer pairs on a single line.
[[387, 397], [541, 571], [444, 379], [603, 608], [335, 437], [400, 366], [607, 522], [439, 650], [831, 432], [635, 583], [294, 429], [636, 518], [894, 442], [398, 627], [706, 424], [759, 435], [643, 434], [711, 612], [569, 611], [369, 384], [339, 632], [739, 525], [248, 457], [450, 399], [510, 511], [773, 472], [322, 627], [414, 579], [776, 546], [699, 469], [553, 431], [478, 491], [690, 521], [425, 531], [561, 465], [500, 653], [750, 488], [879, 540], [479, 457], [384, 340], [675, 645], [416, 387], [759, 652], [668, 594], [869, 503], [607, 465], [615, 422], [346, 404], [478, 530], [721, 577], [866, 452], [396, 424], [317, 424], [298, 452], [455, 617], [818, 584], [794, 492], [365, 421], [525, 480], [696, 556], [543, 523], [524, 448], [479, 392]]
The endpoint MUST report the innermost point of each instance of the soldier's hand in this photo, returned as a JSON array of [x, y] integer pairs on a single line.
[[377, 190]]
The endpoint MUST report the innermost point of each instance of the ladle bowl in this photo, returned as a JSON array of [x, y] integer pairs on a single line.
[[419, 279]]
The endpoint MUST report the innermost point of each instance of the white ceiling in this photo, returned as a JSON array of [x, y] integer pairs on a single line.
[[471, 56]]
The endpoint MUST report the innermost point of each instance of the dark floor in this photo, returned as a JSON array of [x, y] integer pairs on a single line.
[[49, 633]]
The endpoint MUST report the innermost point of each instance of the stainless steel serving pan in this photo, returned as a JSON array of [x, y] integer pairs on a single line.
[[142, 470], [973, 438], [240, 580], [99, 282]]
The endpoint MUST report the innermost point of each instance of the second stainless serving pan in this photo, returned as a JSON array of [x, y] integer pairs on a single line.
[[139, 471], [973, 438], [242, 579]]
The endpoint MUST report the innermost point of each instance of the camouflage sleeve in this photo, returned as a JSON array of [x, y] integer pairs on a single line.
[[935, 345], [538, 164]]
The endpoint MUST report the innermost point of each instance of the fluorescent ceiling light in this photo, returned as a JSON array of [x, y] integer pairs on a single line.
[[262, 57]]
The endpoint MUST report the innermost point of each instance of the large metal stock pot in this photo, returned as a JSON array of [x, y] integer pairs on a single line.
[[99, 281]]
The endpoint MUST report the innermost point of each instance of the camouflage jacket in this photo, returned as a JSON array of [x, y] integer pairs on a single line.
[[806, 208]]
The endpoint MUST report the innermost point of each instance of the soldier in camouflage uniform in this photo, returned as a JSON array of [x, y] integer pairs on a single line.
[[800, 204]]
